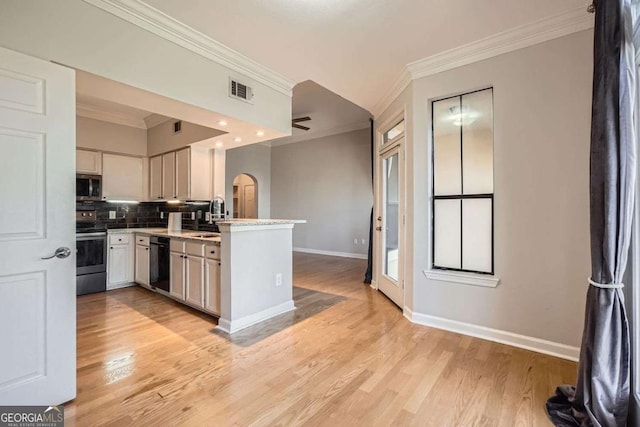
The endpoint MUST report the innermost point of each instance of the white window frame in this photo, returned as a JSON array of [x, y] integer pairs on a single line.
[[454, 275]]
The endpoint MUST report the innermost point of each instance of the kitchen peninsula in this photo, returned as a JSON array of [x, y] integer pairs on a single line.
[[243, 274]]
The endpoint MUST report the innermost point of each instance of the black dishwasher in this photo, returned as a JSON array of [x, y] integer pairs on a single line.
[[159, 263]]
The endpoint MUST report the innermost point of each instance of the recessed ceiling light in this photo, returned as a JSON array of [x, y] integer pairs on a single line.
[[219, 144], [260, 133], [222, 122], [237, 139]]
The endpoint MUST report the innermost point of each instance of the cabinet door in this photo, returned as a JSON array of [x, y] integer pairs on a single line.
[[155, 178], [183, 174], [142, 265], [122, 177], [212, 302], [118, 264], [89, 162], [168, 176], [176, 275], [195, 280]]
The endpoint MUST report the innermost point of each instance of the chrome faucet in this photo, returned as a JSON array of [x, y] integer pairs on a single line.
[[219, 207]]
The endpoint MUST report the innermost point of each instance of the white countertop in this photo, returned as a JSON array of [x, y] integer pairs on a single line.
[[246, 222], [163, 232]]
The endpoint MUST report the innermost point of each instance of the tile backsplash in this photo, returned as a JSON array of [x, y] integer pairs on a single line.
[[152, 214]]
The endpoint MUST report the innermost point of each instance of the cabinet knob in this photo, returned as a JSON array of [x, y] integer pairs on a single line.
[[213, 252], [219, 264], [111, 247], [119, 240], [146, 249]]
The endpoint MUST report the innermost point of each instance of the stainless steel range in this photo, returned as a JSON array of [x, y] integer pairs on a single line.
[[91, 247]]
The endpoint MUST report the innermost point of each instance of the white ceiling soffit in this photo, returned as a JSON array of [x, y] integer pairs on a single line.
[[530, 34], [97, 113], [154, 120], [151, 19]]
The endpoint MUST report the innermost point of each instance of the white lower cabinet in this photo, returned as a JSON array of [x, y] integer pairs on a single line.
[[119, 261], [142, 265], [212, 297], [177, 275], [195, 280]]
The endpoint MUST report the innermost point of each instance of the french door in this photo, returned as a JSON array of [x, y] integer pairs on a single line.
[[390, 222]]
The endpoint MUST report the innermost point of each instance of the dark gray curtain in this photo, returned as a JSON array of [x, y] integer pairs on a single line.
[[368, 275], [601, 396]]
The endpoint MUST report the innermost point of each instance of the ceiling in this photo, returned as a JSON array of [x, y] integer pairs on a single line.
[[356, 48], [330, 114], [101, 109]]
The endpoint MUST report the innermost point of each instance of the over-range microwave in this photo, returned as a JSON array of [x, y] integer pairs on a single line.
[[88, 187]]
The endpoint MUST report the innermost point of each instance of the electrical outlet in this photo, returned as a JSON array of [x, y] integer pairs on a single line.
[[355, 241], [279, 279], [112, 214], [161, 215], [207, 216], [193, 215]]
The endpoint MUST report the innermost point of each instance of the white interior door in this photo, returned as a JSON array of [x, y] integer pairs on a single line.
[[249, 201], [390, 224], [37, 182]]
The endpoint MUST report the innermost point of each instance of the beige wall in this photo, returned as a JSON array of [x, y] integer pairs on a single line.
[[542, 98], [326, 181], [105, 136], [161, 139]]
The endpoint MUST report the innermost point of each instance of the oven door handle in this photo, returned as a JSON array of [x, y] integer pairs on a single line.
[[60, 253]]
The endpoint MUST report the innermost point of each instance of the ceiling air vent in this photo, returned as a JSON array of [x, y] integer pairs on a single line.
[[240, 91], [177, 126]]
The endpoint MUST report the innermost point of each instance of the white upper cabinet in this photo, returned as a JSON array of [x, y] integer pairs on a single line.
[[181, 175], [168, 176], [155, 178], [122, 178], [183, 178], [89, 162]]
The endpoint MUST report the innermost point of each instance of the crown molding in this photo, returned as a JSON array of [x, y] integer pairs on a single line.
[[402, 82], [540, 31], [139, 13], [91, 112], [350, 127]]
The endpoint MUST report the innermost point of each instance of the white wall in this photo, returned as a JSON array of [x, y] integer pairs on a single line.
[[111, 137], [161, 139], [542, 101], [77, 34], [326, 181], [254, 160]]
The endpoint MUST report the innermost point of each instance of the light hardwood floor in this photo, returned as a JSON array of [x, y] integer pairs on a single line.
[[345, 357]]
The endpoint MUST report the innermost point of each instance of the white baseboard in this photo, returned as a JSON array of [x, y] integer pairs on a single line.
[[232, 326], [330, 253], [551, 348]]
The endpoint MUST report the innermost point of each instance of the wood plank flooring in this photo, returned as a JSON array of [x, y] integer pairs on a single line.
[[345, 357]]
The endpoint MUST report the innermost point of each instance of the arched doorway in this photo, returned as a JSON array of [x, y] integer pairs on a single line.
[[245, 196]]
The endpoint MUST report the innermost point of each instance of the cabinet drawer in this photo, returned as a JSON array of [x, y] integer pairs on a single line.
[[142, 240], [176, 246], [119, 239], [212, 251], [195, 249]]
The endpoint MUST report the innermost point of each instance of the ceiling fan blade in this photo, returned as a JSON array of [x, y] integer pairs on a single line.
[[301, 119], [300, 126]]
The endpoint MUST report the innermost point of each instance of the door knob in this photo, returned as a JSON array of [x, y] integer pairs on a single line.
[[379, 228], [60, 253]]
